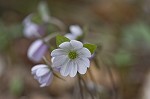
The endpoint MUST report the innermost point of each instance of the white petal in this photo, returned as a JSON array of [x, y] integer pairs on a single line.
[[43, 85], [37, 50], [33, 47], [82, 69], [31, 30], [42, 71], [73, 71], [83, 62], [27, 20], [84, 52], [76, 30], [52, 59], [76, 44], [58, 52], [50, 79], [66, 46], [70, 36], [65, 70], [34, 69], [60, 60], [46, 79]]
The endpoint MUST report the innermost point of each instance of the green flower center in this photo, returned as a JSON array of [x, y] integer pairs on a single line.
[[72, 55]]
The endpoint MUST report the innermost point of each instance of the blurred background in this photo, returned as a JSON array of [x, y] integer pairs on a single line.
[[121, 27]]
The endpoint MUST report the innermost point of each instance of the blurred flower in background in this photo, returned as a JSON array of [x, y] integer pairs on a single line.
[[31, 29], [75, 32]]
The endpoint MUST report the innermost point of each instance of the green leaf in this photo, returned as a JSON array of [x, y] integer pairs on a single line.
[[36, 18], [90, 47], [60, 39]]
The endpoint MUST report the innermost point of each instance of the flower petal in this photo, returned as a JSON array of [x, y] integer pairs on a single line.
[[70, 36], [60, 60], [52, 59], [31, 30], [37, 50], [58, 52], [73, 71], [27, 20], [46, 79], [66, 46], [34, 69], [76, 44], [83, 62], [65, 70], [43, 85], [76, 30], [82, 69], [84, 52], [42, 71]]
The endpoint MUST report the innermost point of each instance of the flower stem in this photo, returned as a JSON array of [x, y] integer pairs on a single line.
[[50, 36], [57, 23]]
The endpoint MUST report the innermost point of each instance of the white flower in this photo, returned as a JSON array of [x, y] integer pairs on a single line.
[[37, 50], [70, 36], [43, 74], [75, 30], [70, 58]]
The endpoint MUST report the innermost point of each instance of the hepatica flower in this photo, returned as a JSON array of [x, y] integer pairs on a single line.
[[31, 29], [71, 57], [43, 74], [37, 50], [75, 30]]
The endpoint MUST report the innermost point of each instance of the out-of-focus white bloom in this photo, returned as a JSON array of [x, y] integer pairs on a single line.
[[37, 50], [31, 29], [43, 74], [70, 36], [75, 30], [70, 58]]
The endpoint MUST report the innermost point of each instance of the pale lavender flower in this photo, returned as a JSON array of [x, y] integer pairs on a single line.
[[70, 36], [31, 29], [43, 74], [71, 57], [75, 30], [37, 50]]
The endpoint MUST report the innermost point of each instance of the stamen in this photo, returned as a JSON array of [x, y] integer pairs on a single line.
[[72, 55]]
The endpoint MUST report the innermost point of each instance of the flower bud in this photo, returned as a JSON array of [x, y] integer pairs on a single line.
[[37, 50]]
